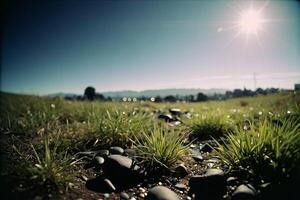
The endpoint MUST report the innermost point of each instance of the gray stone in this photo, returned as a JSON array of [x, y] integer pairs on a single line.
[[212, 184], [231, 180], [102, 153], [124, 196], [244, 192], [180, 186], [175, 111], [116, 150], [166, 117], [161, 193], [99, 160], [197, 158], [120, 168], [181, 170]]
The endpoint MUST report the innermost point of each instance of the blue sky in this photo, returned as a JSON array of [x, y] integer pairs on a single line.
[[64, 46]]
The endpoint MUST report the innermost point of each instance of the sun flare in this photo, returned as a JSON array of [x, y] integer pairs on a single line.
[[250, 21]]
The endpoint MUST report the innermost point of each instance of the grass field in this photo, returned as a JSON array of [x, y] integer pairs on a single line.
[[255, 138]]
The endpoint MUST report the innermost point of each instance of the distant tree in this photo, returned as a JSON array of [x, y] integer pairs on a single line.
[[228, 94], [158, 99], [170, 98], [189, 98], [90, 93], [248, 93], [99, 97], [201, 97], [237, 93], [260, 91], [272, 90]]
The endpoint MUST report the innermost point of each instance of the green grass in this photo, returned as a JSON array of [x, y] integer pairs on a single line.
[[261, 138], [267, 151], [161, 148], [210, 125], [46, 164]]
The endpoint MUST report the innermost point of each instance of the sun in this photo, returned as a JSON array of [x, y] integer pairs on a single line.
[[250, 21]]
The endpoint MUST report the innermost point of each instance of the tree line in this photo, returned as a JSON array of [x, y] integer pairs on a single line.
[[91, 95]]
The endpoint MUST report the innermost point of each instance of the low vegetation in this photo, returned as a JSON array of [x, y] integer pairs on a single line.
[[256, 137], [266, 151], [161, 148]]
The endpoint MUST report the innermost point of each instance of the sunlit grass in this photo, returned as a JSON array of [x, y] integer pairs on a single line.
[[161, 148], [267, 151]]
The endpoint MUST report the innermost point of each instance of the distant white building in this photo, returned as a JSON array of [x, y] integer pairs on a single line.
[[297, 87]]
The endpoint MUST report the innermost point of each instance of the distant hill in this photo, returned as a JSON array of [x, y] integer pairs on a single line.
[[163, 92], [151, 93]]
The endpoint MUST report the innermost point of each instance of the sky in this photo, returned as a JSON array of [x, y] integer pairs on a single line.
[[67, 45]]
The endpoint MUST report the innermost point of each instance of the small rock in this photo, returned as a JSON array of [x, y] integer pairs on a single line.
[[116, 150], [161, 193], [188, 198], [119, 168], [132, 198], [99, 160], [124, 196], [197, 158], [109, 184], [175, 111], [180, 186], [210, 185], [142, 190], [231, 180], [205, 148], [102, 153], [244, 192], [106, 195], [181, 170], [142, 195], [166, 117]]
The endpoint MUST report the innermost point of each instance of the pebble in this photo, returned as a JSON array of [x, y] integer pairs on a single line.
[[116, 150], [181, 170], [212, 183], [99, 160], [142, 195], [142, 189], [180, 186], [102, 153], [243, 192], [124, 196], [161, 193]]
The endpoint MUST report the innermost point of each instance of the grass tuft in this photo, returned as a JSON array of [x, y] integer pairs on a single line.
[[266, 151], [161, 148], [48, 166]]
